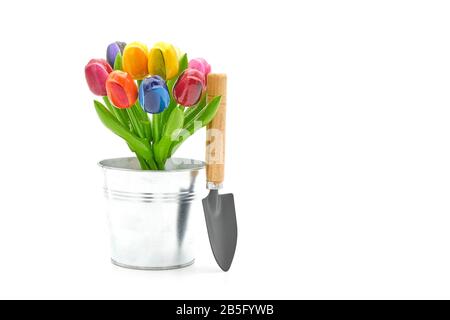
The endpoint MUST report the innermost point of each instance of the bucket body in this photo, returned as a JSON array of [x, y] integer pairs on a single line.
[[150, 212]]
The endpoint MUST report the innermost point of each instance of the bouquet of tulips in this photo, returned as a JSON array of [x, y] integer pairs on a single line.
[[135, 82]]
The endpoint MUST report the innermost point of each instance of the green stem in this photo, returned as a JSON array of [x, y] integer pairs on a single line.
[[144, 165], [116, 112], [147, 129], [141, 118], [136, 144], [135, 123], [140, 111], [152, 161], [156, 126], [144, 120]]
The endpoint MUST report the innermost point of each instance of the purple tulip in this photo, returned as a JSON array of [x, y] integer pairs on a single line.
[[112, 51]]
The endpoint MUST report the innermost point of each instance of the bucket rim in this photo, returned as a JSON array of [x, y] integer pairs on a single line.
[[194, 164]]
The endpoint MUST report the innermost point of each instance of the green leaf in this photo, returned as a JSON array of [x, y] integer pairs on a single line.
[[136, 125], [140, 146], [118, 62], [143, 120], [175, 122], [205, 116], [192, 112], [184, 62], [118, 113], [147, 129], [176, 144], [162, 147], [166, 113], [140, 111], [209, 112]]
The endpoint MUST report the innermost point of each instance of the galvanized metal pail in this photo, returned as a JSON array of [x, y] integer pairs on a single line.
[[150, 212]]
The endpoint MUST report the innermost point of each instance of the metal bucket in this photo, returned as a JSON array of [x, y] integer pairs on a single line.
[[150, 212]]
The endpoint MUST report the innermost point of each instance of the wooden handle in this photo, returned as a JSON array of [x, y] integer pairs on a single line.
[[215, 133]]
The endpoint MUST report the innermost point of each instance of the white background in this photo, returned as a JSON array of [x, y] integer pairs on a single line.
[[338, 147]]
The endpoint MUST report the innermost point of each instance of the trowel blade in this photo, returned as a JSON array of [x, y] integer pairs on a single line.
[[220, 215]]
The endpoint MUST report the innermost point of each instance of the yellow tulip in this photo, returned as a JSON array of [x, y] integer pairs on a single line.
[[163, 61], [135, 60]]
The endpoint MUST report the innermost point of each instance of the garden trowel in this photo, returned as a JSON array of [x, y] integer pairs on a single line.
[[220, 213]]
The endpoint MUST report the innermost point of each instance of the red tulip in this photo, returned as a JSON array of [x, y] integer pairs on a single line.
[[121, 89], [96, 72], [189, 87]]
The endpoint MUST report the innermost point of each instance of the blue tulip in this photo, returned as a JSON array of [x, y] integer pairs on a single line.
[[112, 51], [154, 95]]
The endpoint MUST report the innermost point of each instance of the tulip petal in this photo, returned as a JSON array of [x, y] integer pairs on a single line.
[[156, 65], [163, 60], [96, 73], [135, 60], [201, 65], [113, 50], [164, 98], [154, 95], [121, 89], [189, 87], [119, 98]]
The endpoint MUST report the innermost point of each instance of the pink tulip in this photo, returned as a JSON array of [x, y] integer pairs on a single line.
[[96, 72], [201, 65]]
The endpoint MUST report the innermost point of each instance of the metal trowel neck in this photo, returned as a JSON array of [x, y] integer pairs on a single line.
[[214, 186]]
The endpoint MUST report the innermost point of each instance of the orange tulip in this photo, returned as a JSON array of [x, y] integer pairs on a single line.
[[121, 89]]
